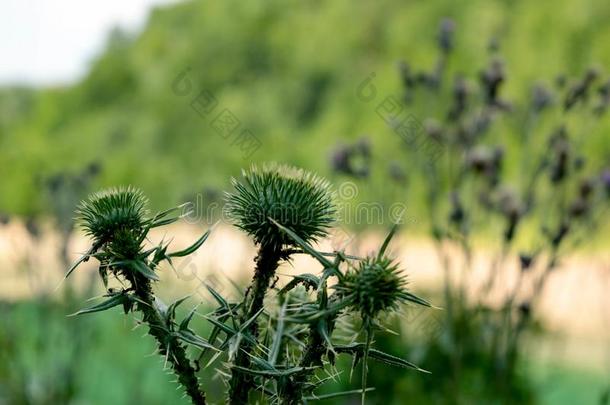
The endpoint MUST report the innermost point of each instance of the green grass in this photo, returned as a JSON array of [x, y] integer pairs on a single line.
[[559, 384]]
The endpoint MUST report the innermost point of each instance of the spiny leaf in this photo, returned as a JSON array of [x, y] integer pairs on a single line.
[[357, 350], [323, 331], [82, 259], [304, 245], [308, 280], [143, 269], [317, 314], [387, 240], [171, 311], [191, 338], [113, 301], [337, 394], [189, 250], [246, 325], [223, 303], [226, 329], [103, 271], [165, 213], [407, 296], [184, 325], [158, 220], [274, 373]]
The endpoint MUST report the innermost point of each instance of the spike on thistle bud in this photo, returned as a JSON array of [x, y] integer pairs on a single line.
[[299, 200]]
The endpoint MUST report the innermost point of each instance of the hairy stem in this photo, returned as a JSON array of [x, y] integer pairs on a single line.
[[267, 261], [169, 346]]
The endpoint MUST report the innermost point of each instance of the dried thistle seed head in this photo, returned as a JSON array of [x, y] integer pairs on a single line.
[[408, 80], [109, 211], [375, 285], [297, 199], [509, 202], [480, 158], [491, 79], [586, 187], [397, 173], [445, 34], [541, 97]]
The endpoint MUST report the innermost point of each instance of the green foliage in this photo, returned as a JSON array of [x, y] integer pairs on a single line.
[[291, 86]]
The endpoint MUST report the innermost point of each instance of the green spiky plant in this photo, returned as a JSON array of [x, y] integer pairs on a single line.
[[118, 223], [275, 340]]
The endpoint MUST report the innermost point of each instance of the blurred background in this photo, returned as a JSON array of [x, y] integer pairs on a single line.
[[176, 97]]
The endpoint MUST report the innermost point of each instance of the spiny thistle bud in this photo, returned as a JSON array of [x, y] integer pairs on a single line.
[[113, 210], [374, 286], [294, 198]]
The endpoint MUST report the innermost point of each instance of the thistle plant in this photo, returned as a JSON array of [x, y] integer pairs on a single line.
[[268, 196], [276, 341], [117, 221]]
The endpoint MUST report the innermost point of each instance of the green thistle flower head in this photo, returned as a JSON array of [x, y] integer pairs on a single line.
[[109, 211], [294, 198], [374, 286]]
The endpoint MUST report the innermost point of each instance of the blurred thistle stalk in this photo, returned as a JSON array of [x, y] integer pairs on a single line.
[[467, 189], [285, 210]]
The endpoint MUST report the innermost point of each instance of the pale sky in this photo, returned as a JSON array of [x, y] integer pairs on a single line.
[[46, 42]]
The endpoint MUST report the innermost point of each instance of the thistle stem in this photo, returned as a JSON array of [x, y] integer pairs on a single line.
[[267, 262], [312, 356], [169, 346]]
